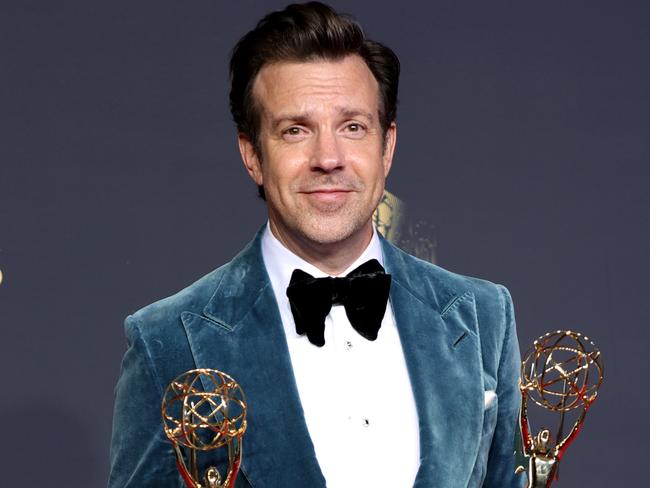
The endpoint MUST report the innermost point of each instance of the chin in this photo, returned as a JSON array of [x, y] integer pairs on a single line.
[[327, 231]]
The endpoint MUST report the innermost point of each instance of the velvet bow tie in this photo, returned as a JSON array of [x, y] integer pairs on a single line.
[[363, 293]]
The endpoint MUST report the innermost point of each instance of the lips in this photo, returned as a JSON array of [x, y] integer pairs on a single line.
[[329, 190], [328, 196]]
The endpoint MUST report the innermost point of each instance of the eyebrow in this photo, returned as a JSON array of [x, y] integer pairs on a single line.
[[351, 113], [302, 116], [289, 116]]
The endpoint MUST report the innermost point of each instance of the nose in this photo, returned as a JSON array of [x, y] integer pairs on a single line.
[[327, 153]]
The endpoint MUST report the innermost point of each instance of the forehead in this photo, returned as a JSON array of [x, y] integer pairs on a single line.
[[317, 85]]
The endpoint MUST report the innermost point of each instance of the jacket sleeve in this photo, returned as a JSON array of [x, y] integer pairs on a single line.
[[501, 460], [141, 456]]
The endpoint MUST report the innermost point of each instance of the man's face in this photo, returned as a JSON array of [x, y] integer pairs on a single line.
[[322, 158]]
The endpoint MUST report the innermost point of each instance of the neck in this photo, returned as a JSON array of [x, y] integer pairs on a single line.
[[333, 257]]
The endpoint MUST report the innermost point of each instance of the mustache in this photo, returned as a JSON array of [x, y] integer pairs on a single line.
[[328, 182]]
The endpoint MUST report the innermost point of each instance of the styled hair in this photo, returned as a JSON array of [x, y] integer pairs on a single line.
[[306, 32]]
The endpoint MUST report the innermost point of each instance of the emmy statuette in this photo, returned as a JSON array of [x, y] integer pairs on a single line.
[[203, 410], [561, 374]]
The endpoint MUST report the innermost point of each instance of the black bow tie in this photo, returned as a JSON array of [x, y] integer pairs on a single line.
[[363, 293]]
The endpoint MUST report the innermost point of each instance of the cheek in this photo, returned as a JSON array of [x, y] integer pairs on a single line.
[[279, 172], [371, 168]]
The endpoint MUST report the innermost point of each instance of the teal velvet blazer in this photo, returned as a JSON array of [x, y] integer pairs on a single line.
[[459, 340]]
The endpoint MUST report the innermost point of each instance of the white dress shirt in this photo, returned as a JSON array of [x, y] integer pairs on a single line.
[[356, 394]]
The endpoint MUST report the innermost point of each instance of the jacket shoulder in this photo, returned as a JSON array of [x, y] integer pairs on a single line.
[[192, 298], [234, 275], [441, 287]]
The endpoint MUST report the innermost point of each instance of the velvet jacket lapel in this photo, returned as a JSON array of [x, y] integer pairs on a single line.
[[439, 334], [240, 332]]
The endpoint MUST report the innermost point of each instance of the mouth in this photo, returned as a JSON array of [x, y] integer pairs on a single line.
[[328, 190], [328, 194]]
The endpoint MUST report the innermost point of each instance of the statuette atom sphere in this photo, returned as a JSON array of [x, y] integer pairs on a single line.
[[562, 371], [204, 409]]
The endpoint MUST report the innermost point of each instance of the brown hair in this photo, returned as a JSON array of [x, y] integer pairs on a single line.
[[304, 32]]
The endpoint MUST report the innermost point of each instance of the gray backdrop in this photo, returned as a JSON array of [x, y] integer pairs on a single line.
[[523, 138]]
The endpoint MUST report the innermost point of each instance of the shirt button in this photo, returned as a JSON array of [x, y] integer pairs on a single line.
[[365, 422], [348, 345]]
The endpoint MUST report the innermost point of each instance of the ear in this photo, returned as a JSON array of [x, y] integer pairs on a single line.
[[389, 147], [250, 158]]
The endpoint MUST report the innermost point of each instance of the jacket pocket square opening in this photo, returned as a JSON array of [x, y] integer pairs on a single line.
[[490, 396]]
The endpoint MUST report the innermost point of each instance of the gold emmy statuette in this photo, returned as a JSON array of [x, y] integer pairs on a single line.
[[389, 216], [202, 410], [392, 220], [561, 374]]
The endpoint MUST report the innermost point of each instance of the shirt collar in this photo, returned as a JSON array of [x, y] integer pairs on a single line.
[[280, 262]]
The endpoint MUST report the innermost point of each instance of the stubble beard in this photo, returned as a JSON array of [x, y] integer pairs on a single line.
[[323, 225]]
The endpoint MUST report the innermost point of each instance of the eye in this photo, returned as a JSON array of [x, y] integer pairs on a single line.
[[355, 129], [294, 133]]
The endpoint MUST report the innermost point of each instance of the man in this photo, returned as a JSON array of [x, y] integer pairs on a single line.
[[419, 390]]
